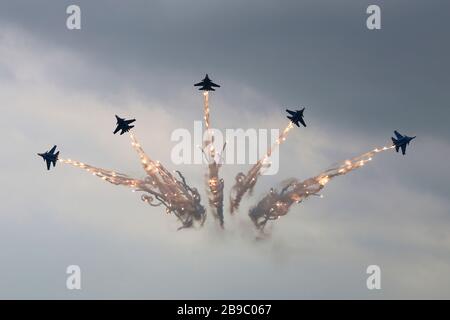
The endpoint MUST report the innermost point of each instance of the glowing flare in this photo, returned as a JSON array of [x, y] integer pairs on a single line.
[[245, 184], [324, 180], [160, 187], [214, 184], [276, 204]]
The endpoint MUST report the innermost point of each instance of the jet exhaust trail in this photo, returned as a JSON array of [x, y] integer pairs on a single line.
[[206, 109], [160, 187], [245, 182], [214, 183], [277, 203]]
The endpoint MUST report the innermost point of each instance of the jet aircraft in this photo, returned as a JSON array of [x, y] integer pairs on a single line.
[[296, 117], [206, 84], [123, 125], [50, 157], [401, 141]]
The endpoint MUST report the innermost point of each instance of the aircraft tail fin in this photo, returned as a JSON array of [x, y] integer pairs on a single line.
[[290, 118]]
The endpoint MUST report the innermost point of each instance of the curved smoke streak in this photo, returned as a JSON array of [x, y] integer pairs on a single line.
[[245, 182], [159, 187], [277, 203]]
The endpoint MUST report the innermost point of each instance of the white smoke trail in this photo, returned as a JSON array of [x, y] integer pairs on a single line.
[[214, 183], [245, 182], [160, 187], [276, 204]]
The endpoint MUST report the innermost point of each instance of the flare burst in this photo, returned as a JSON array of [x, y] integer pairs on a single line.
[[277, 204], [245, 182], [159, 187], [214, 183]]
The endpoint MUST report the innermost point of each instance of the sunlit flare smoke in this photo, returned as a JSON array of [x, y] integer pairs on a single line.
[[277, 203], [214, 183], [160, 187], [206, 109], [245, 182]]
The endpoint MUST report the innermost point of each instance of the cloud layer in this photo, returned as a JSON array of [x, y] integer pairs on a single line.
[[140, 60]]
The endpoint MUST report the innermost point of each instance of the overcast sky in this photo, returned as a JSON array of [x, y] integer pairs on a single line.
[[140, 59]]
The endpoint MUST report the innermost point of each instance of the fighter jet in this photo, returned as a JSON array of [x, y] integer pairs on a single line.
[[50, 157], [123, 124], [206, 84], [401, 141], [296, 117]]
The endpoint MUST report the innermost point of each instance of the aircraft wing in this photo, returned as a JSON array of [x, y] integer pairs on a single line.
[[302, 122], [214, 85], [290, 112], [130, 121], [398, 135], [52, 150], [198, 84], [403, 146], [117, 130]]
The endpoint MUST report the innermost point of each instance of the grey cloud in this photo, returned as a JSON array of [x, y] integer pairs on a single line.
[[316, 53], [141, 58]]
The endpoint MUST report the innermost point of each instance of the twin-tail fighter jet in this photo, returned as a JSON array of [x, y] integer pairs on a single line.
[[401, 142], [206, 84], [50, 157], [296, 117], [123, 125]]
